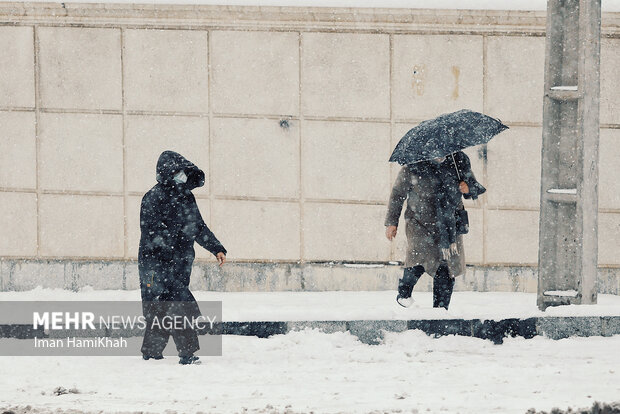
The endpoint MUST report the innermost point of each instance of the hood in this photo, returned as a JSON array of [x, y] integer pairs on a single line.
[[170, 163]]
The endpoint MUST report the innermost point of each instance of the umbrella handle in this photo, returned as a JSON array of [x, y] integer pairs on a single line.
[[455, 167]]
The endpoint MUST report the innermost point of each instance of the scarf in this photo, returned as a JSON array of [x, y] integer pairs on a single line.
[[447, 199]]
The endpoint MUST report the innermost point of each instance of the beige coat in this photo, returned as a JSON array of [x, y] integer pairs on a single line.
[[420, 219]]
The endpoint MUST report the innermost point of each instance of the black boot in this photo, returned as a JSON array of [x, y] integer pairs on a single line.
[[443, 285], [411, 275], [189, 360]]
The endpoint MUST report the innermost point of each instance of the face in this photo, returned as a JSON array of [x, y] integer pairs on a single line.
[[180, 177]]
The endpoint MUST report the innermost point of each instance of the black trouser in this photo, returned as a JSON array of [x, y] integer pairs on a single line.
[[411, 275], [157, 333], [443, 284]]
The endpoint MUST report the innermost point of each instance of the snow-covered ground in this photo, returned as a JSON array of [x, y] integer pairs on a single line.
[[308, 370], [341, 305], [327, 373]]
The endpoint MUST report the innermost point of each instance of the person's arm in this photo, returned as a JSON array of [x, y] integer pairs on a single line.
[[472, 188], [395, 205], [204, 236]]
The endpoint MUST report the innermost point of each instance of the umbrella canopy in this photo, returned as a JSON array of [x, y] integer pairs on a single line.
[[445, 135]]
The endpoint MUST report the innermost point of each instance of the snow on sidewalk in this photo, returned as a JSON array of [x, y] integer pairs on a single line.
[[312, 371], [347, 305], [328, 373]]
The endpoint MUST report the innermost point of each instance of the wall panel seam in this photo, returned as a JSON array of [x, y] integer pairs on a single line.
[[37, 103], [124, 141], [392, 254], [485, 162], [300, 58], [210, 128]]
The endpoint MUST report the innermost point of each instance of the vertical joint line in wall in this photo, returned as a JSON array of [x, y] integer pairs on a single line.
[[485, 158], [123, 137], [301, 125], [210, 128], [391, 86], [391, 69], [37, 129], [484, 73]]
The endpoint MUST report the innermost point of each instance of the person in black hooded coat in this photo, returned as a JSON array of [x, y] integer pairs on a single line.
[[170, 223]]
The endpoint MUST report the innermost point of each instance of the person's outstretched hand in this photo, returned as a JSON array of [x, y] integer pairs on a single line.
[[221, 258], [463, 187], [390, 232]]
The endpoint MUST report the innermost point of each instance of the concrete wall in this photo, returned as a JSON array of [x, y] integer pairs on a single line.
[[91, 94], [20, 275]]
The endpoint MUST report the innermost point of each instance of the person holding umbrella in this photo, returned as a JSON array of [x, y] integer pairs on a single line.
[[435, 176]]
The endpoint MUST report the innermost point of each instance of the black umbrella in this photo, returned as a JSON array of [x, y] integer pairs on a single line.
[[445, 135]]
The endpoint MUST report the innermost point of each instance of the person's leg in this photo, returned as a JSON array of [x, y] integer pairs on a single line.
[[411, 275], [443, 284], [186, 341], [155, 337], [186, 338]]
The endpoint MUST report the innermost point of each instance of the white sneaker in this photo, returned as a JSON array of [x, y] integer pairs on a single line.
[[404, 302]]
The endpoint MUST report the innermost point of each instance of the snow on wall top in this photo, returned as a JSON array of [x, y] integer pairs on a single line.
[[607, 5]]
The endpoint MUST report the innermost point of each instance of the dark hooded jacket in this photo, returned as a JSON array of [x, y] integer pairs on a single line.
[[433, 199], [170, 223], [449, 173]]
